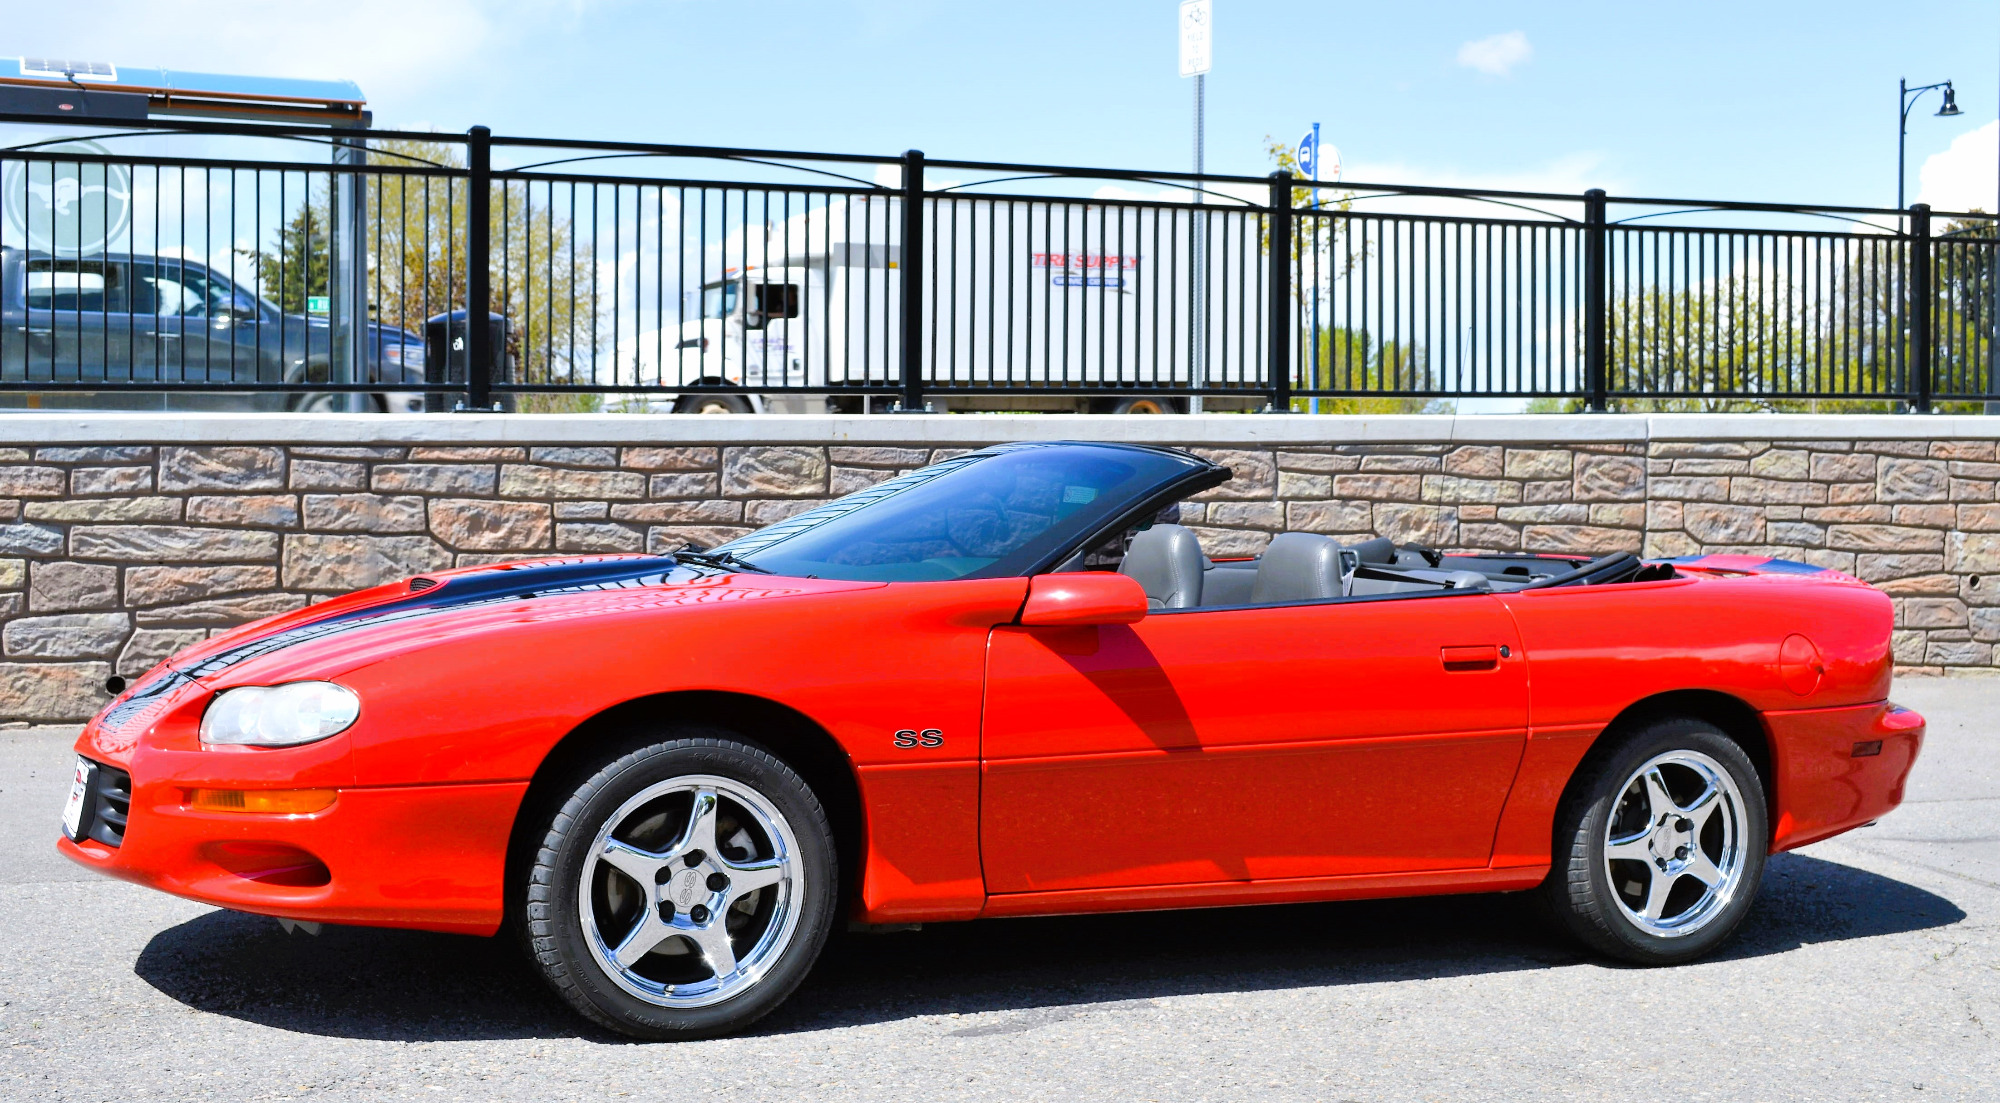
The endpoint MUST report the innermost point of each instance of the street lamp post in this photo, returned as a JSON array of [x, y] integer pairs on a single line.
[[1907, 98]]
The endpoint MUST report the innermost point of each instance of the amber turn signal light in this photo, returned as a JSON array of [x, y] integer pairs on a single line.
[[282, 802]]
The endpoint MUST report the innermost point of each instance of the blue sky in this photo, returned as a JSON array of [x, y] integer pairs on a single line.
[[1778, 101]]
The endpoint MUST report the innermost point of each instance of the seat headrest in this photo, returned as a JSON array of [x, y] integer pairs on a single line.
[[1298, 566], [1166, 561]]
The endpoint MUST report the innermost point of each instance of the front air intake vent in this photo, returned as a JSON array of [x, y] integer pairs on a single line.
[[107, 803], [417, 584]]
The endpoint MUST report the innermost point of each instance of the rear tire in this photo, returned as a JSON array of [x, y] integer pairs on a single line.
[[683, 890], [1660, 844], [712, 404]]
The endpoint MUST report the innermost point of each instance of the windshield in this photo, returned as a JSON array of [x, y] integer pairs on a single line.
[[718, 300], [990, 514]]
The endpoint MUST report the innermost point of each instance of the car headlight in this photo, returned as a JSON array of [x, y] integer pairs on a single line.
[[279, 716]]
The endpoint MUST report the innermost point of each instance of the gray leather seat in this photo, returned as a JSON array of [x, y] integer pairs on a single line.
[[1166, 561], [1298, 566]]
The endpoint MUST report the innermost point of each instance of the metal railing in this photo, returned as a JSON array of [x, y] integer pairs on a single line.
[[323, 269]]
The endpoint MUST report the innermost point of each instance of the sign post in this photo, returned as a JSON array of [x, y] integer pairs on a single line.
[[1197, 40], [1308, 158]]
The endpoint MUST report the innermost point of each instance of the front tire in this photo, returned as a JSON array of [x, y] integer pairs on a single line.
[[684, 889], [1660, 845]]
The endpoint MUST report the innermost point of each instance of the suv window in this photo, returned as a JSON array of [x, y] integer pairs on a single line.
[[59, 283], [189, 292]]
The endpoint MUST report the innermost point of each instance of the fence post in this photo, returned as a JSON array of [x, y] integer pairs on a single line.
[[478, 269], [1279, 351], [1920, 307], [912, 265], [1596, 358]]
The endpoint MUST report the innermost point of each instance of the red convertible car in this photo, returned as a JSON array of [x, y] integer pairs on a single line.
[[1006, 684]]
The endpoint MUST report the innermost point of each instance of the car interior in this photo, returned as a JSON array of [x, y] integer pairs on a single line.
[[1168, 562]]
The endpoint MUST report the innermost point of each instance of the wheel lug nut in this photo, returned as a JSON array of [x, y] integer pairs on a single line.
[[693, 858], [666, 911], [662, 875], [717, 882], [698, 913], [1680, 852], [1661, 862], [1684, 824]]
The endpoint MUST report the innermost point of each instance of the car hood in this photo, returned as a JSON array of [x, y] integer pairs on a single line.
[[344, 633]]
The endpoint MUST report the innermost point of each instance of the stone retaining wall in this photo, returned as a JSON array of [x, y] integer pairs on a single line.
[[124, 539]]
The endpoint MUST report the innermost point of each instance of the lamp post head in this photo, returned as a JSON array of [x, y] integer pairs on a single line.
[[1950, 107]]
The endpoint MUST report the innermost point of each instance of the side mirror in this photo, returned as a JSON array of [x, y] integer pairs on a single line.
[[1087, 597]]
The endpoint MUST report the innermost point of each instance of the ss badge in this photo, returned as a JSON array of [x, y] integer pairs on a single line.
[[929, 737]]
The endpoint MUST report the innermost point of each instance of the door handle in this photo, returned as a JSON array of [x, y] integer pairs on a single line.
[[1482, 656]]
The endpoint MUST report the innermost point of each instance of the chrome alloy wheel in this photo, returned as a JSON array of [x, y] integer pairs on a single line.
[[1673, 845], [690, 893]]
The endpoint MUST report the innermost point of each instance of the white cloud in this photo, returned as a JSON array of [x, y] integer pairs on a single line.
[[1496, 55], [1966, 175]]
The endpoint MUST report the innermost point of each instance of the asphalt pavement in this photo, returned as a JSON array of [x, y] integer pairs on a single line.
[[1870, 969]]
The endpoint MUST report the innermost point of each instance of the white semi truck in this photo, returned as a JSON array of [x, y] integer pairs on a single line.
[[1043, 298]]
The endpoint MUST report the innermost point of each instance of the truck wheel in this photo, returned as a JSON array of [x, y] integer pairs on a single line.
[[1144, 404], [1660, 845], [712, 404], [683, 890]]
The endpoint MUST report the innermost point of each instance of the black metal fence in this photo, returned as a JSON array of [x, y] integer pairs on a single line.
[[325, 269]]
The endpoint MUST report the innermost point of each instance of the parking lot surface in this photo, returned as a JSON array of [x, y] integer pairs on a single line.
[[1870, 969]]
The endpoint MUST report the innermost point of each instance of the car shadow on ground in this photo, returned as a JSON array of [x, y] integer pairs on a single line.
[[413, 986]]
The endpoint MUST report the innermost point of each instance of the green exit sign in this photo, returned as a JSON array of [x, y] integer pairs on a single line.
[[317, 304]]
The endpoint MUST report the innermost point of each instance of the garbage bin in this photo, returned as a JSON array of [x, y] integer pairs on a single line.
[[448, 358]]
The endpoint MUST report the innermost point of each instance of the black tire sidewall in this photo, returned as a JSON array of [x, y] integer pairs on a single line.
[[1579, 888], [555, 930]]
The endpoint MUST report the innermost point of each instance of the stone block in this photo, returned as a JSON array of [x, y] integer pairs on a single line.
[[1883, 538], [1930, 612], [1923, 585], [680, 458], [1939, 652], [1932, 516], [468, 454], [1974, 450], [1663, 515], [1869, 513], [1913, 448], [96, 453], [1881, 568], [1622, 514], [668, 538], [1978, 518], [852, 456], [1561, 513], [1538, 463], [1318, 463], [693, 484], [1906, 480], [1985, 624], [52, 691], [364, 512], [1402, 464], [435, 478], [598, 537], [169, 544], [30, 540], [1830, 467], [713, 511], [1455, 488], [66, 636], [1378, 488], [1476, 461], [254, 510], [531, 481], [847, 480], [1690, 488], [1728, 450], [1846, 493], [235, 609], [110, 480], [1782, 463], [1711, 523], [149, 647], [13, 574], [1232, 542], [1298, 484], [222, 467], [1489, 537], [764, 513], [64, 586], [1252, 475], [573, 456], [1269, 516], [32, 482], [1973, 552], [1711, 467], [106, 509], [1907, 646], [1326, 517], [1971, 490], [1546, 490], [1753, 490], [1579, 539], [1797, 533], [170, 585], [328, 475], [778, 471], [1831, 560], [1473, 511], [1668, 545], [1436, 526], [347, 452], [477, 524], [1965, 470], [581, 511], [338, 563]]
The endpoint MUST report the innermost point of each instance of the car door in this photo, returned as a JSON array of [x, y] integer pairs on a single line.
[[1353, 736], [76, 315]]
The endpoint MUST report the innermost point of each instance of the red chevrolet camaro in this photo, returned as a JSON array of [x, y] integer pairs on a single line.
[[1006, 684]]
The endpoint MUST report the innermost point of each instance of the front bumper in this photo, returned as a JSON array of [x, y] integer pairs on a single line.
[[1839, 768], [424, 856]]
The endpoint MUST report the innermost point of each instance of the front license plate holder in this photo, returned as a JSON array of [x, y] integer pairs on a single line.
[[79, 800]]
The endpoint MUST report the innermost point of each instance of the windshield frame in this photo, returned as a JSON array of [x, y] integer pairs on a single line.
[[1197, 475]]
